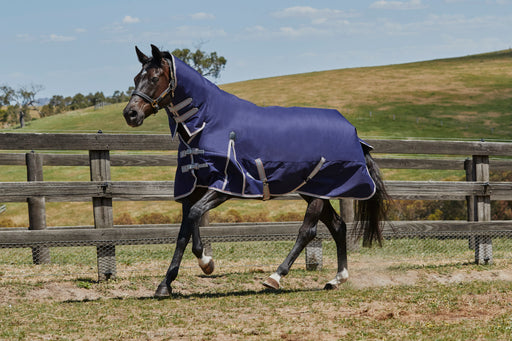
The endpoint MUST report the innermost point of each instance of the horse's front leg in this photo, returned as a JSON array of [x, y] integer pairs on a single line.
[[164, 289], [192, 214]]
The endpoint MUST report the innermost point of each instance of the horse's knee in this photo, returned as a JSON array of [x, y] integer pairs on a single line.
[[181, 243], [195, 214], [310, 233]]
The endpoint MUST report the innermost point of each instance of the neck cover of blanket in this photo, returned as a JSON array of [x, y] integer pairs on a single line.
[[249, 151]]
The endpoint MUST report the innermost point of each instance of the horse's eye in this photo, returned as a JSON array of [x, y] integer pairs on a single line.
[[154, 79]]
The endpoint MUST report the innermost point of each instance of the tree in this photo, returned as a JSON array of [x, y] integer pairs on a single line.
[[94, 99], [79, 101], [24, 98], [6, 95], [206, 64]]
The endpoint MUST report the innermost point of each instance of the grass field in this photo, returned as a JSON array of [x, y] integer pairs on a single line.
[[459, 311], [384, 299]]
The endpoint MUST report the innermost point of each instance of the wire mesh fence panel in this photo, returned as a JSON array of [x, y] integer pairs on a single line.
[[153, 259]]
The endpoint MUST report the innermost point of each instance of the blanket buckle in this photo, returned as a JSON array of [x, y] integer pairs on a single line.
[[191, 151], [193, 166]]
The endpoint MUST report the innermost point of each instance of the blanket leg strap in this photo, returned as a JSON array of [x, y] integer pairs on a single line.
[[263, 178], [312, 174]]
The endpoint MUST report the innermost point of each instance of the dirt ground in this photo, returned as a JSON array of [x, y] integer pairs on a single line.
[[60, 290], [390, 314]]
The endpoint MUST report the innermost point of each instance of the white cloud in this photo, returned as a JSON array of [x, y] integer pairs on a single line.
[[181, 35], [291, 32], [309, 12], [56, 38], [24, 37], [128, 19], [80, 30], [398, 5], [198, 32], [202, 16]]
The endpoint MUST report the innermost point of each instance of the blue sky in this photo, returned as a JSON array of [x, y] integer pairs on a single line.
[[87, 46]]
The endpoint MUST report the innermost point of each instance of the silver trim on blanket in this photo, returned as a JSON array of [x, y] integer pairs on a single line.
[[231, 149]]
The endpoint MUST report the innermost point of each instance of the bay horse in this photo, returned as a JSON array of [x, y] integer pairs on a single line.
[[230, 148]]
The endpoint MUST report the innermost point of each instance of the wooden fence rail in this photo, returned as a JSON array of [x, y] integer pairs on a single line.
[[94, 151]]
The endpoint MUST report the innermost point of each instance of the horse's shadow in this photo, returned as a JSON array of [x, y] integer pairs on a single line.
[[242, 293], [203, 295]]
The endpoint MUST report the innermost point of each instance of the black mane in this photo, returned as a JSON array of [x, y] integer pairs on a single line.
[[165, 54]]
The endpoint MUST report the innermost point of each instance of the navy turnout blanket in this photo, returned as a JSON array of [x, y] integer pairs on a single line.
[[245, 150]]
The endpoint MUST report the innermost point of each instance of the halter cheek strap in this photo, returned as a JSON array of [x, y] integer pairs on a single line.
[[155, 103]]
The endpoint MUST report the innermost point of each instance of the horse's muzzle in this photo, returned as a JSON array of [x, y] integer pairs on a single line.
[[133, 117]]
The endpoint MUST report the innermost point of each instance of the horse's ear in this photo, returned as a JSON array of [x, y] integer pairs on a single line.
[[157, 55], [142, 57]]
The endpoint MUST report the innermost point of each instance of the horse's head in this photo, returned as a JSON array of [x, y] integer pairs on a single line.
[[154, 85]]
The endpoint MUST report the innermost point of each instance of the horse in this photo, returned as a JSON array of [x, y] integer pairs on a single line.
[[232, 148]]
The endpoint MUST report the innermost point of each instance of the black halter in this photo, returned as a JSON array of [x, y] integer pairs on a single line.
[[155, 103]]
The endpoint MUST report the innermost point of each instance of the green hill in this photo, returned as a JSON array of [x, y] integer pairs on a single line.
[[458, 98]]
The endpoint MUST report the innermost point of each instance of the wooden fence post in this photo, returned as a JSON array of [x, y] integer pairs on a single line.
[[37, 206], [347, 214], [470, 200], [482, 210], [103, 216]]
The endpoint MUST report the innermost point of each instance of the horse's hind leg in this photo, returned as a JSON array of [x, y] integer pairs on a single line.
[[338, 230], [306, 233], [205, 262]]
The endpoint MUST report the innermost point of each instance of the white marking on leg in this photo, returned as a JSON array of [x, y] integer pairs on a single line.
[[272, 281], [204, 260], [276, 277], [341, 277]]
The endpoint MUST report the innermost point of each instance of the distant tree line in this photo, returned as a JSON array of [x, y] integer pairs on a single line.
[[58, 104], [16, 104]]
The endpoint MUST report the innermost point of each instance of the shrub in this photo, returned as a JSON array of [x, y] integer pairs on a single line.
[[7, 222], [154, 218], [289, 216], [124, 219]]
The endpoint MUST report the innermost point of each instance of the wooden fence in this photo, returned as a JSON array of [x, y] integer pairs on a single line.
[[477, 190]]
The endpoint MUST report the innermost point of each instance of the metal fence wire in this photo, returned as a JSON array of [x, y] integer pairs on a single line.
[[118, 259]]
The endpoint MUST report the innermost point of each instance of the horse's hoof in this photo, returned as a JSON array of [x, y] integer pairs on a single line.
[[330, 286], [208, 268], [271, 284], [163, 291]]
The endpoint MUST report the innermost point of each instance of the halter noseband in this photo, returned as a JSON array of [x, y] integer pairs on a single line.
[[155, 103]]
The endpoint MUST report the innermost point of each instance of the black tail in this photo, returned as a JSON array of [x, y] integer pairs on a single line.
[[370, 214]]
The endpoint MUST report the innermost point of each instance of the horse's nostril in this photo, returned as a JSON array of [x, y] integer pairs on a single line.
[[130, 114]]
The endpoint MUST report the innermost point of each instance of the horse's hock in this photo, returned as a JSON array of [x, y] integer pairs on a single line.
[[477, 158]]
